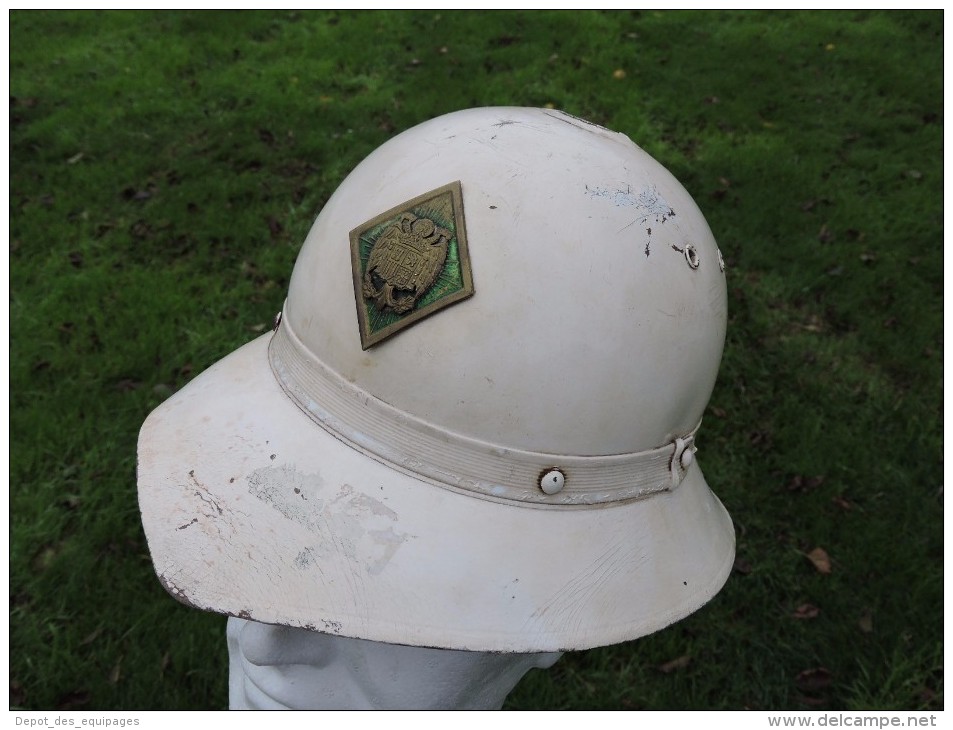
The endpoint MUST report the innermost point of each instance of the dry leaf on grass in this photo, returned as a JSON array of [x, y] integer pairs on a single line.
[[116, 674], [806, 611], [677, 663], [90, 638], [842, 503], [821, 560], [814, 680]]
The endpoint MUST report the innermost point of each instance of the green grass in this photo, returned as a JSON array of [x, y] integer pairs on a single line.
[[165, 168]]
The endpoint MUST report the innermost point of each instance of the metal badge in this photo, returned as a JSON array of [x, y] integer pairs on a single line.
[[410, 262]]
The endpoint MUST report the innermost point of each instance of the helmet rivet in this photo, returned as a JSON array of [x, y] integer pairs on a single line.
[[552, 481], [691, 256], [686, 458]]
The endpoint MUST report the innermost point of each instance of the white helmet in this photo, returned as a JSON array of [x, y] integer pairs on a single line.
[[514, 472]]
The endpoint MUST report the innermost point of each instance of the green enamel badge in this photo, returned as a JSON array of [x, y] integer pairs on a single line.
[[410, 262]]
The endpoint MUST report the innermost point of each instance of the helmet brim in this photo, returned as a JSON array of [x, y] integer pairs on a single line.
[[252, 510]]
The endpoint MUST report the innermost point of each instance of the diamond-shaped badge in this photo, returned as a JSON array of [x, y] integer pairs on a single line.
[[410, 262]]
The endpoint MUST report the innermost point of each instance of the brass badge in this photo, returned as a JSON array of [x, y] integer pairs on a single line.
[[410, 262]]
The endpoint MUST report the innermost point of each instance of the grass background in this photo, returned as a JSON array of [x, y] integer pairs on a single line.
[[165, 167]]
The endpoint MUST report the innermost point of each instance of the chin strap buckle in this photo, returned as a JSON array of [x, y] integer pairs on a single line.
[[682, 459]]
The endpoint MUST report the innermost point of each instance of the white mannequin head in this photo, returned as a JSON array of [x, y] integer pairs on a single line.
[[279, 667]]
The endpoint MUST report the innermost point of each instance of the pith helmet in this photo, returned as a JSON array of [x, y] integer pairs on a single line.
[[474, 424]]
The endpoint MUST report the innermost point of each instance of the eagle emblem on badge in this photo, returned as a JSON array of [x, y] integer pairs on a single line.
[[404, 262], [410, 262]]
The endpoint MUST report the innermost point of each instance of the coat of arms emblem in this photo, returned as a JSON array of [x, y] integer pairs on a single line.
[[410, 262], [404, 262]]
